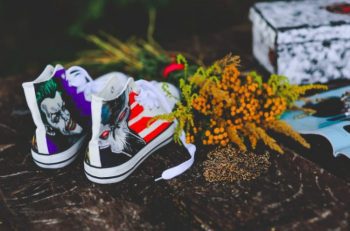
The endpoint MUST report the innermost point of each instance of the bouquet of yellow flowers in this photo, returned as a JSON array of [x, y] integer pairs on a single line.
[[232, 107]]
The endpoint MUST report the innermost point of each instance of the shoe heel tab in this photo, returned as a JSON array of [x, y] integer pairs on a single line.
[[33, 106], [27, 85], [58, 67], [46, 74], [97, 99]]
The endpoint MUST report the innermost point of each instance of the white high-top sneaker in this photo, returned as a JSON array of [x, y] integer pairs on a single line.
[[60, 103], [124, 132], [61, 114]]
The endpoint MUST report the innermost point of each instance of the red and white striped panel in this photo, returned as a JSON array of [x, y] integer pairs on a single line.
[[139, 121]]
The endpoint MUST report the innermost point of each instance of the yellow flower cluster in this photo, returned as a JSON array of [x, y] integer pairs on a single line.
[[221, 106], [189, 138], [243, 98], [217, 136], [240, 108]]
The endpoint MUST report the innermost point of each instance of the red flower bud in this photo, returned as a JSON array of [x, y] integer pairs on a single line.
[[171, 68]]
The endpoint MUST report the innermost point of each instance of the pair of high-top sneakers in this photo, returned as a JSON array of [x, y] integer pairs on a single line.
[[115, 112]]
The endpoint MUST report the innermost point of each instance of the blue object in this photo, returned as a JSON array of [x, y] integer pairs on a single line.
[[335, 128]]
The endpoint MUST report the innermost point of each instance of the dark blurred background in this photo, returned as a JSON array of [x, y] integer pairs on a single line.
[[35, 33], [38, 32]]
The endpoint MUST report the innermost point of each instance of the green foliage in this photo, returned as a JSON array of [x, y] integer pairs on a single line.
[[257, 78], [182, 60], [282, 87], [146, 3], [137, 57], [278, 83], [94, 9], [165, 88], [151, 64], [183, 112]]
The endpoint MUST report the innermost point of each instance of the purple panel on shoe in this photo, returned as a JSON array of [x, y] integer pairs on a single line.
[[78, 99], [51, 146]]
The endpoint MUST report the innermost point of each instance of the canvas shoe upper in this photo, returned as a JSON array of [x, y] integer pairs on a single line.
[[60, 104], [124, 131]]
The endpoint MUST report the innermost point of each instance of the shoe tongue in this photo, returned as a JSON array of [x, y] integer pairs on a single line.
[[112, 85], [171, 93]]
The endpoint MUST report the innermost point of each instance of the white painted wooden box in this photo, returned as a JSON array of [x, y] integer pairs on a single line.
[[307, 41]]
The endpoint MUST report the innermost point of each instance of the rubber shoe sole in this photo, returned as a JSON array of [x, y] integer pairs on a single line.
[[58, 160], [118, 173]]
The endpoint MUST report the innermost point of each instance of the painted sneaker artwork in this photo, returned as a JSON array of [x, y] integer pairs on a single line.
[[66, 104], [61, 115], [124, 130]]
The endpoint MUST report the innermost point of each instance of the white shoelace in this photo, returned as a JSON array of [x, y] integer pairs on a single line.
[[151, 97], [147, 98], [79, 78]]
